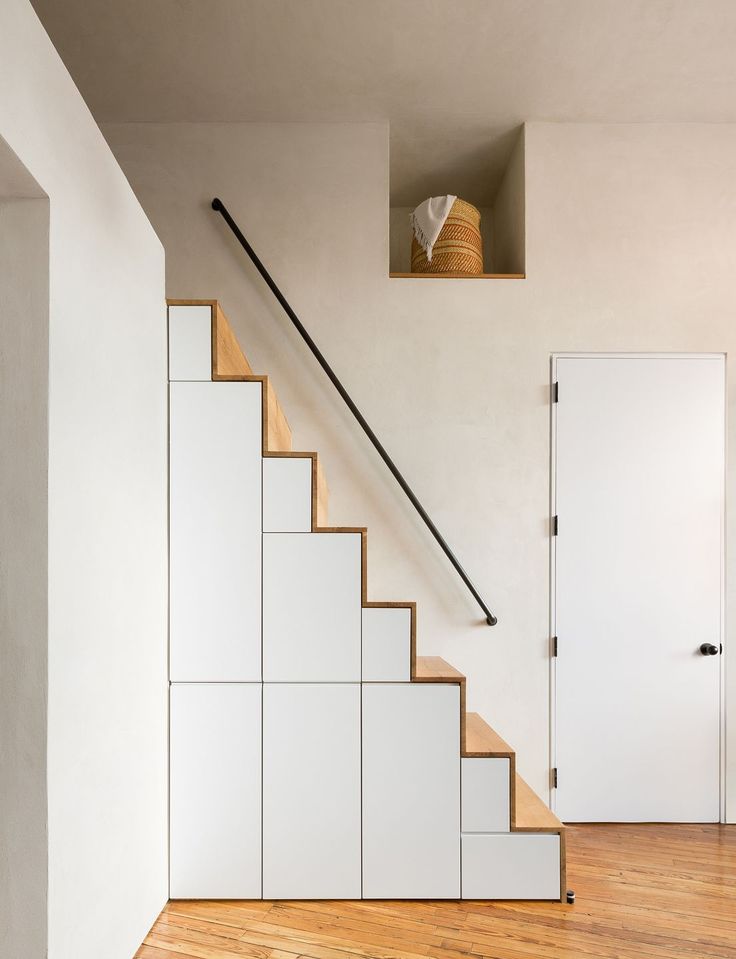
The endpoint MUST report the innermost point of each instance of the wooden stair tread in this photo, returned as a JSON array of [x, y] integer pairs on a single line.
[[532, 815], [434, 669], [481, 740]]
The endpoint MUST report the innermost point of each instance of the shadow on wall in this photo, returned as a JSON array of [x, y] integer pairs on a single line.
[[24, 328]]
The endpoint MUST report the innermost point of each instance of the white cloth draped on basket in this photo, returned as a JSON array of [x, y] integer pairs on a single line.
[[428, 219]]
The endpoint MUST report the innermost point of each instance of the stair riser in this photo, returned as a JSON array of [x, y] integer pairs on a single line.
[[387, 645], [190, 343], [511, 866], [486, 795], [287, 495]]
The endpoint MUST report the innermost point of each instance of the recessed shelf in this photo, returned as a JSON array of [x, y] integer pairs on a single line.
[[496, 186], [458, 276]]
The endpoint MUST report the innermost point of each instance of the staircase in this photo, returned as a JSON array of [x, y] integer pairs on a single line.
[[314, 755]]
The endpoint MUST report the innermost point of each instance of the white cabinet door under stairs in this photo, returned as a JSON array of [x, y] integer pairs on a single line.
[[215, 531], [511, 866], [386, 645], [411, 791], [311, 791], [486, 793], [287, 495], [311, 607], [314, 755], [215, 791]]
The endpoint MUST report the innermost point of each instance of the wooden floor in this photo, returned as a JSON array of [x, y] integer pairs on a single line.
[[642, 891]]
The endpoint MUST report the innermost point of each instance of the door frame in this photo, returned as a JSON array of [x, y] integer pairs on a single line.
[[554, 357]]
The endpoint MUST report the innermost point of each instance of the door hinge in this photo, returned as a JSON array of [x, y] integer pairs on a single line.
[[555, 525], [554, 646], [554, 778], [556, 392]]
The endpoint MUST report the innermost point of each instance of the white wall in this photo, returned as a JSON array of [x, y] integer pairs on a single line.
[[106, 374], [631, 245]]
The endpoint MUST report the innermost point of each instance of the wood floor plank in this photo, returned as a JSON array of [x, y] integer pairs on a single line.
[[584, 919], [348, 940], [189, 937], [169, 921], [644, 891], [154, 952], [370, 911], [375, 929], [205, 950]]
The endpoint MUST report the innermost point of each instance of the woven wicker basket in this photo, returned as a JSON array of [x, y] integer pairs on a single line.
[[459, 247]]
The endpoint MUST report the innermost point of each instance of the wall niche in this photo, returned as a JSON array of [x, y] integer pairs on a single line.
[[502, 226]]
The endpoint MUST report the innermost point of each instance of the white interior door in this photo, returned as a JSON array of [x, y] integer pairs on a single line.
[[638, 489]]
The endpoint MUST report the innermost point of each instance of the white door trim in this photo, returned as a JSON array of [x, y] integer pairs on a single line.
[[554, 357]]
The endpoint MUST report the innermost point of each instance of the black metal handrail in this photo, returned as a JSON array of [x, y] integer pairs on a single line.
[[220, 207]]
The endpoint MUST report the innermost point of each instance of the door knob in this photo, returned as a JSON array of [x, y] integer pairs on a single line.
[[708, 649]]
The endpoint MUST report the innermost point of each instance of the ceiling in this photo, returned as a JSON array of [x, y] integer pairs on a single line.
[[455, 78]]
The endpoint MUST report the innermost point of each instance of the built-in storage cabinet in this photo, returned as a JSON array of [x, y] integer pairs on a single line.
[[311, 791], [512, 865], [386, 644], [215, 532], [304, 762], [190, 343], [411, 791], [311, 607], [215, 791], [486, 794], [287, 494]]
